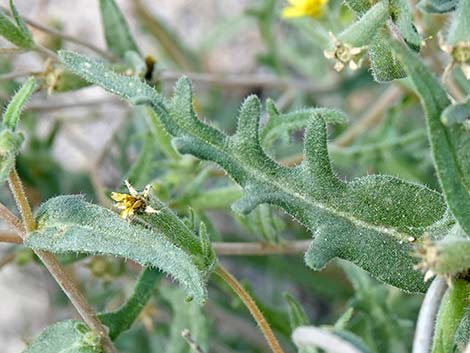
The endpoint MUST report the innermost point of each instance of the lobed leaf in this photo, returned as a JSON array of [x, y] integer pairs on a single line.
[[67, 336], [371, 221], [450, 144], [69, 224]]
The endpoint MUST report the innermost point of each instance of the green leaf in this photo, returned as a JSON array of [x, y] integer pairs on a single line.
[[122, 319], [361, 32], [383, 61], [402, 15], [297, 316], [351, 220], [10, 140], [17, 34], [449, 144], [459, 30], [437, 6], [359, 6], [279, 124], [67, 336], [118, 37], [13, 111], [451, 311], [69, 224]]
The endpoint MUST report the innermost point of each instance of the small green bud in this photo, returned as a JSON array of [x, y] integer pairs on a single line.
[[10, 143]]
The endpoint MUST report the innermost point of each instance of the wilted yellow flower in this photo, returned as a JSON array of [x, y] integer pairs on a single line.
[[132, 203], [301, 8]]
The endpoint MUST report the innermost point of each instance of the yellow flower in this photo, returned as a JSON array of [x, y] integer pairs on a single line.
[[132, 203], [301, 8]]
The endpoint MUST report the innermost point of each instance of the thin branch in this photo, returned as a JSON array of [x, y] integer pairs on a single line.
[[259, 249], [69, 287], [11, 220], [427, 316], [370, 118], [6, 259], [10, 237], [22, 202], [47, 52], [13, 51], [64, 36], [18, 74], [192, 344], [49, 106], [247, 80], [252, 307], [305, 336]]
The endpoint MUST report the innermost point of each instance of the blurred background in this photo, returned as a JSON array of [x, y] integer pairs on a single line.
[[88, 141]]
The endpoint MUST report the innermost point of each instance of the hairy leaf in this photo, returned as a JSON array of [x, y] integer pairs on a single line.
[[116, 31], [371, 221], [450, 144], [69, 224], [279, 124], [121, 319], [14, 108], [66, 336], [402, 15], [10, 140], [384, 64]]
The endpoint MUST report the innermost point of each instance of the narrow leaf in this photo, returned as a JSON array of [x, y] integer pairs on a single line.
[[14, 108], [449, 144], [17, 34], [118, 37], [122, 319]]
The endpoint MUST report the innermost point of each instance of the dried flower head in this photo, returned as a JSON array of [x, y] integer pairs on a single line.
[[304, 8], [345, 54], [134, 202]]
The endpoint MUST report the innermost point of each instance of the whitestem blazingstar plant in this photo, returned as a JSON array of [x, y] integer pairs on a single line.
[[399, 230]]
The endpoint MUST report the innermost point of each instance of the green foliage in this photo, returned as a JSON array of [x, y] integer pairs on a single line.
[[383, 61], [116, 31], [66, 336], [459, 30], [69, 224], [10, 139], [297, 316], [277, 185], [362, 32], [350, 220], [121, 319], [15, 31], [449, 144]]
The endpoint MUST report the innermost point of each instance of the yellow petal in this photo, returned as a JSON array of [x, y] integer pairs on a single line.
[[116, 196], [290, 12]]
